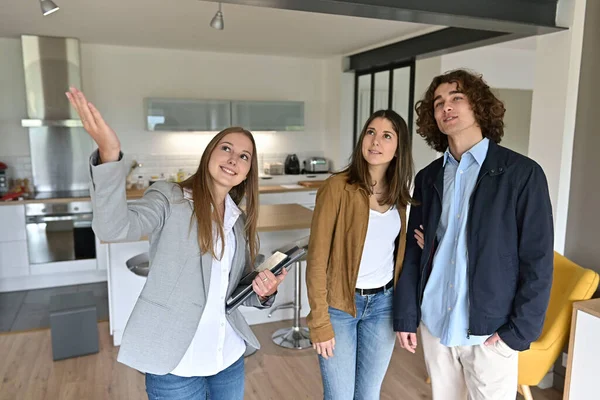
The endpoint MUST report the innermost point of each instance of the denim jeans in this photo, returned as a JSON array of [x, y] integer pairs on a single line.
[[226, 385], [363, 349]]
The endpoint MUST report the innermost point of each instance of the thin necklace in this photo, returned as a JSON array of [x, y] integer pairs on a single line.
[[373, 189]]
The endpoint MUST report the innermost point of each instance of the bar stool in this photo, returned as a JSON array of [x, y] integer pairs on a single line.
[[295, 337]]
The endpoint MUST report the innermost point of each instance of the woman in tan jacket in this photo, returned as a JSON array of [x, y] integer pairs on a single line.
[[354, 258]]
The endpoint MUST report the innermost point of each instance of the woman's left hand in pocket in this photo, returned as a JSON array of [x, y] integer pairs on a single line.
[[266, 283]]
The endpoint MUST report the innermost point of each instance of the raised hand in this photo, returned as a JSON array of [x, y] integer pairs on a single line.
[[108, 143]]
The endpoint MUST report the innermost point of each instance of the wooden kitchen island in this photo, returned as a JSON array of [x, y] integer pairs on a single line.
[[283, 217], [278, 225]]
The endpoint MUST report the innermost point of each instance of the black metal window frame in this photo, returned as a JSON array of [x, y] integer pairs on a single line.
[[372, 72]]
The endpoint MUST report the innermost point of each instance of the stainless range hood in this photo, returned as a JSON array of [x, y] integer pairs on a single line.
[[59, 148], [51, 66]]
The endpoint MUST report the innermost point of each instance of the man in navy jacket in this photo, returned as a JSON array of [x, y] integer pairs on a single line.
[[479, 284]]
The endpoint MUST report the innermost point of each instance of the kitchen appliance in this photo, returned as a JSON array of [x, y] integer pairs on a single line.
[[273, 168], [59, 146], [316, 165], [59, 232], [292, 165]]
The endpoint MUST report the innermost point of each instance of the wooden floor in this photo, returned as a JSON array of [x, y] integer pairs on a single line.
[[28, 372]]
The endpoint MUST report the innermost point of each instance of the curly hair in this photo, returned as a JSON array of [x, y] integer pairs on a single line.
[[488, 110]]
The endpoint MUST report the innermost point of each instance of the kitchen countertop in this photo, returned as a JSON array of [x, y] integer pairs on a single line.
[[277, 217], [136, 194]]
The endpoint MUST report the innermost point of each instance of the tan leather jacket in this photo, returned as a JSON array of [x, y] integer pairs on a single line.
[[337, 236]]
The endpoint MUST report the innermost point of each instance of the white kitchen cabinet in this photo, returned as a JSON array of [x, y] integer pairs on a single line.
[[268, 115], [14, 261], [12, 220], [273, 180], [187, 115], [305, 198], [124, 287], [269, 198]]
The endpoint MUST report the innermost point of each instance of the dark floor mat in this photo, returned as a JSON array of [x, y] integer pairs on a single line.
[[30, 309]]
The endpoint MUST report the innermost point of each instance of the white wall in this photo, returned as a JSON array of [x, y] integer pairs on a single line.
[[425, 71], [14, 139], [338, 94], [554, 108], [117, 79], [505, 68], [517, 118]]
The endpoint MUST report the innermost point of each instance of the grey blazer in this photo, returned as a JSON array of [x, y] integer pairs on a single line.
[[166, 315]]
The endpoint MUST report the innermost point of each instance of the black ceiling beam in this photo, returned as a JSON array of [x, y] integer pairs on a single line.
[[436, 43], [525, 17]]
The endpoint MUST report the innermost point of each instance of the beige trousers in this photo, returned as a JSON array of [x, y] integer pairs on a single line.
[[470, 372]]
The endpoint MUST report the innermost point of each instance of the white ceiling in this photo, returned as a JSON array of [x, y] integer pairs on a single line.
[[184, 24]]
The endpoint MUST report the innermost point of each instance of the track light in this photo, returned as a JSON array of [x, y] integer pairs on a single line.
[[48, 7], [217, 21]]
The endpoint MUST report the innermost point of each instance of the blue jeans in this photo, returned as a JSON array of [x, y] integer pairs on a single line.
[[226, 385], [363, 349]]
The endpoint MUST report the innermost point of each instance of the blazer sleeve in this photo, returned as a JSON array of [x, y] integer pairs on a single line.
[[114, 218]]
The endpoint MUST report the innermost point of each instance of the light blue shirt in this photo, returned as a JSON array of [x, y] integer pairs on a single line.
[[445, 307]]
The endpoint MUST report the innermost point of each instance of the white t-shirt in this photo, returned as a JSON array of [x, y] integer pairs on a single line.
[[377, 261], [215, 346]]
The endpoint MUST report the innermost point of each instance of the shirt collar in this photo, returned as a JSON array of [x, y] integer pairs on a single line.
[[478, 152], [232, 211]]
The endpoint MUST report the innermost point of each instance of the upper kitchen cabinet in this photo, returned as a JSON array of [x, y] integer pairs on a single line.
[[187, 115], [268, 115]]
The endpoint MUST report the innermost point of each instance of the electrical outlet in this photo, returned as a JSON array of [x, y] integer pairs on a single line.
[[565, 357]]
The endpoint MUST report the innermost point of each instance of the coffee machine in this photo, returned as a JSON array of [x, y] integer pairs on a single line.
[[292, 165]]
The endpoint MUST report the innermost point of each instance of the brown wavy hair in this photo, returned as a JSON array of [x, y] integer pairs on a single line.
[[400, 171], [488, 110], [205, 207]]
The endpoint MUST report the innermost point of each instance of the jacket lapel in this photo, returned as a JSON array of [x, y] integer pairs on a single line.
[[238, 263]]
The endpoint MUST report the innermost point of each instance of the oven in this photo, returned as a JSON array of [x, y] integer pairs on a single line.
[[59, 232]]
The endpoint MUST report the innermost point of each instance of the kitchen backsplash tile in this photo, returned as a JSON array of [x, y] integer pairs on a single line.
[[157, 164], [19, 167]]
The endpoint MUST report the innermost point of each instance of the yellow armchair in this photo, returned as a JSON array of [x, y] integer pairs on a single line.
[[570, 283]]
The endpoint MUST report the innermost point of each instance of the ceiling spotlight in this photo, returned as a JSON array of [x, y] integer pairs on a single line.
[[48, 7], [217, 21]]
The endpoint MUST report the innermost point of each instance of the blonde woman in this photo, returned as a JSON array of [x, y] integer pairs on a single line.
[[201, 244]]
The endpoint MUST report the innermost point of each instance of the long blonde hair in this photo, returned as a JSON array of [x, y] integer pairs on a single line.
[[205, 207]]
